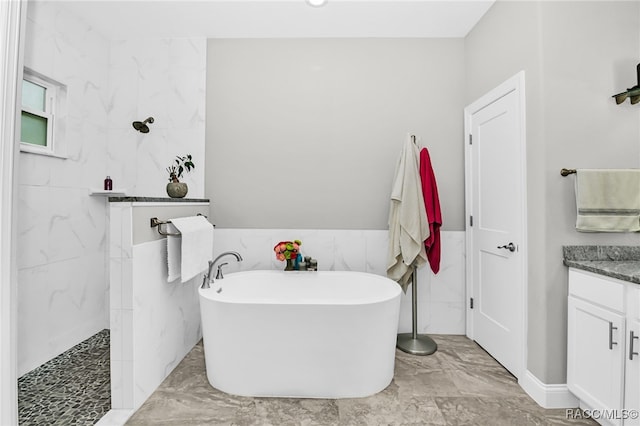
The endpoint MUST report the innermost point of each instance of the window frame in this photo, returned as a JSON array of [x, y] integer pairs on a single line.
[[55, 97]]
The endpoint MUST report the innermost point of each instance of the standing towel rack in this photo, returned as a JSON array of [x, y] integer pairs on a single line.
[[567, 172], [414, 343], [154, 221]]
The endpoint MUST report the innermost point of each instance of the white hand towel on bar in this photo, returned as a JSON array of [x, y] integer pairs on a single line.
[[608, 200], [174, 257], [194, 248]]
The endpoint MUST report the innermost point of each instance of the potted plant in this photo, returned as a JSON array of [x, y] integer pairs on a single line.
[[175, 188]]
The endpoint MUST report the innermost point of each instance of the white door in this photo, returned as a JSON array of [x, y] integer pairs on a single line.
[[495, 203]]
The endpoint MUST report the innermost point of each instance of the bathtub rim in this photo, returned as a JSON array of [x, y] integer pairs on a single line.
[[214, 290]]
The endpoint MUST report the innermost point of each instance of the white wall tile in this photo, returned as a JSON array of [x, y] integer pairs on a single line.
[[440, 297], [127, 283], [127, 391], [126, 248], [35, 170], [41, 46], [121, 162], [115, 230], [350, 250], [445, 318], [128, 335], [116, 332], [75, 306], [165, 322], [62, 232], [117, 382], [165, 79], [377, 249], [33, 226], [33, 344], [254, 245]]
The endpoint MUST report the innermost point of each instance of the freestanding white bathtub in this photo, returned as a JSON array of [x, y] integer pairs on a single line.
[[302, 334]]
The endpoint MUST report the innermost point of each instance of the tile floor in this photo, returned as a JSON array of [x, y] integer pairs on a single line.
[[458, 385], [74, 388]]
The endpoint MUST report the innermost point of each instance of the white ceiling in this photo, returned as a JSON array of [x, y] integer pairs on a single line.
[[118, 19]]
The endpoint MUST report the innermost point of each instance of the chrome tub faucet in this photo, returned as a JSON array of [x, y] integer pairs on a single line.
[[208, 279]]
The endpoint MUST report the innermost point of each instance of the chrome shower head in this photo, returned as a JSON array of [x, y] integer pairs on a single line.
[[141, 126]]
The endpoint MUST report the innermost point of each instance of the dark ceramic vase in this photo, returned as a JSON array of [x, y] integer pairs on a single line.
[[177, 189]]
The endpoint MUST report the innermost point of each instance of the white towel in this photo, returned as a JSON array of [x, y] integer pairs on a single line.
[[192, 250], [174, 256], [608, 200], [408, 225]]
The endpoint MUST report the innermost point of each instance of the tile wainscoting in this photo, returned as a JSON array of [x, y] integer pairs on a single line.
[[154, 323], [441, 306]]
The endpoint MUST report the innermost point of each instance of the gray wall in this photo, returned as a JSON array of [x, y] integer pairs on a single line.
[[305, 133], [575, 56]]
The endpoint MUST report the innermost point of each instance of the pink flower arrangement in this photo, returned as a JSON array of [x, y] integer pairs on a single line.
[[287, 249]]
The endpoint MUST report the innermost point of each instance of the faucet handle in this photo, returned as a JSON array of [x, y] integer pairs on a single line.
[[219, 274], [207, 276]]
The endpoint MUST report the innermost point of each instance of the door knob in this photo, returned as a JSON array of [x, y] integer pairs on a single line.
[[511, 247]]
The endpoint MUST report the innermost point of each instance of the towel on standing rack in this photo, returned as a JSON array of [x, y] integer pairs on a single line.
[[192, 250], [408, 227], [432, 207], [608, 200]]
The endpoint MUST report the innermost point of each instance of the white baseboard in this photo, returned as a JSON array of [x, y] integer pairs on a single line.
[[548, 396]]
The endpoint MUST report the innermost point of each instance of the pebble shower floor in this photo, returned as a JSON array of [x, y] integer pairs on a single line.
[[74, 388]]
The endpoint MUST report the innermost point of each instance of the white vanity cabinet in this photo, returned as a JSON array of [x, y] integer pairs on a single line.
[[632, 357], [602, 313]]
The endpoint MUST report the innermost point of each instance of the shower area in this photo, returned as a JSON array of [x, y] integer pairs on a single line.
[[64, 306], [63, 310], [72, 388]]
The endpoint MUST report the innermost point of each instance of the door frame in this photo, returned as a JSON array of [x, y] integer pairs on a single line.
[[12, 19], [517, 84]]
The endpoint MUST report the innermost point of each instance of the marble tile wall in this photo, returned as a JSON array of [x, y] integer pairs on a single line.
[[61, 230], [154, 324], [164, 79], [441, 305], [62, 253]]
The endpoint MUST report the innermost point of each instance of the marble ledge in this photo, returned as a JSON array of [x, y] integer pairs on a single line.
[[620, 262], [615, 253], [132, 199]]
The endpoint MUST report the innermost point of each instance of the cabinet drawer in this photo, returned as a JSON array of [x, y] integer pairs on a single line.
[[598, 289]]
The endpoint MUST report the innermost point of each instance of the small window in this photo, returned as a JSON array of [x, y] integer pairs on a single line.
[[40, 101]]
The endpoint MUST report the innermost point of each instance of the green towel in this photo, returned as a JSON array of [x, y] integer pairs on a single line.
[[608, 200]]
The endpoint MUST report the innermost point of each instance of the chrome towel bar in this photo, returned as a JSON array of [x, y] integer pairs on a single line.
[[567, 172], [155, 222]]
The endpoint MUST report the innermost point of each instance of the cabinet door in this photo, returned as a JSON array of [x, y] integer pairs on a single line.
[[632, 373], [595, 364]]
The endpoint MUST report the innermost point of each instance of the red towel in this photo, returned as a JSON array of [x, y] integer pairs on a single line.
[[432, 206]]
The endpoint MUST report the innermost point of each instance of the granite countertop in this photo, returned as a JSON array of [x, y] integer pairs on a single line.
[[129, 199], [621, 262]]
